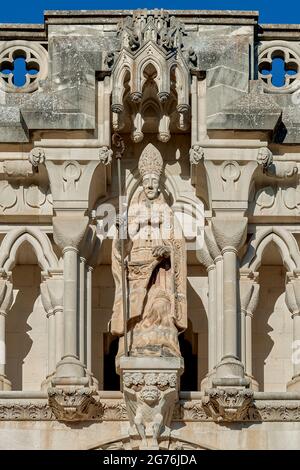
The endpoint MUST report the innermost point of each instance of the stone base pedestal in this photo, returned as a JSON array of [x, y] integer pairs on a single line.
[[5, 384], [150, 386], [294, 384], [230, 373], [72, 393], [69, 367]]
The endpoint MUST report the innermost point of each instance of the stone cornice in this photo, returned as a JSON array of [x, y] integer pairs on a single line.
[[114, 409]]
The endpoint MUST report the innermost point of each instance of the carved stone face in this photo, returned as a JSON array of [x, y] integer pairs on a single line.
[[151, 185]]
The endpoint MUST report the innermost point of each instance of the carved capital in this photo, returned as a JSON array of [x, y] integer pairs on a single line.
[[71, 404], [229, 232], [229, 404], [52, 291], [292, 292], [249, 291], [6, 293], [69, 230], [36, 156], [204, 257]]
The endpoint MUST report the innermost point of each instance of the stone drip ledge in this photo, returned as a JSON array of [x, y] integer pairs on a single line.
[[109, 406]]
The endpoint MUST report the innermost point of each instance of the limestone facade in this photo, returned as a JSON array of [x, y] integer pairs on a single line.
[[192, 97]]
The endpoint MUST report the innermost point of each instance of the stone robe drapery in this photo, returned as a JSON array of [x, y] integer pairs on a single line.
[[156, 286]]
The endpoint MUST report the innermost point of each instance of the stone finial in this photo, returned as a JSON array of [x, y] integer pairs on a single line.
[[264, 157], [105, 155], [36, 156], [196, 154]]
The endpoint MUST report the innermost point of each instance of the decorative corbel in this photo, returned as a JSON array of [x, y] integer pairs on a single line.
[[229, 404]]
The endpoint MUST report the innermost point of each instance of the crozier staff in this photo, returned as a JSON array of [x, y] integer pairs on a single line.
[[121, 227]]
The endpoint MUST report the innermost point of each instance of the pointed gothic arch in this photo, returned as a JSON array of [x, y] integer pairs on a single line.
[[37, 239], [286, 243]]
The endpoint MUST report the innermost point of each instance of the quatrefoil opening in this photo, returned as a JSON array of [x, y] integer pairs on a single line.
[[279, 69], [22, 66]]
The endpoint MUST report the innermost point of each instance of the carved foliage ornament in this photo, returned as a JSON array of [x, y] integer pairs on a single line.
[[31, 57], [71, 404], [162, 29], [227, 404], [114, 410]]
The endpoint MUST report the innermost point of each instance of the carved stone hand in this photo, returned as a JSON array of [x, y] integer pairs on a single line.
[[161, 252]]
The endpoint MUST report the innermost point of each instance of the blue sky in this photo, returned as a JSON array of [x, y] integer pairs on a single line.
[[31, 11]]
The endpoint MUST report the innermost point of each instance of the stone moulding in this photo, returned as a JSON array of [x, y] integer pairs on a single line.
[[115, 410]]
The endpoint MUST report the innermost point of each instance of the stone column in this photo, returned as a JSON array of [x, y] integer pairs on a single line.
[[89, 271], [6, 298], [249, 295], [212, 340], [204, 256], [59, 333], [68, 233], [229, 235], [51, 343], [82, 310], [230, 321], [219, 312], [292, 297], [51, 329], [296, 339], [52, 299]]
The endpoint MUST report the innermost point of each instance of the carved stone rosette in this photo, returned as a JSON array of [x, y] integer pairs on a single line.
[[150, 387], [228, 404], [70, 403]]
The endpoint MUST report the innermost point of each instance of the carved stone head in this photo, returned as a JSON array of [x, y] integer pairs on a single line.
[[264, 157], [150, 395], [150, 168]]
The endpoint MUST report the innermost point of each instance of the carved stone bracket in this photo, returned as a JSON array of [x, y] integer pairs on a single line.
[[278, 170], [150, 396], [105, 155], [264, 158], [36, 156], [70, 403], [230, 404], [196, 154]]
